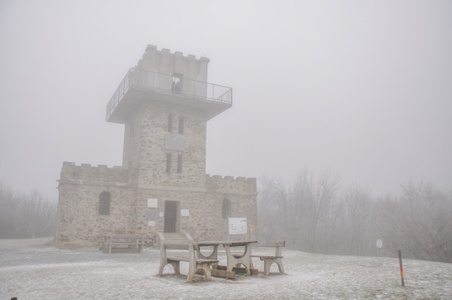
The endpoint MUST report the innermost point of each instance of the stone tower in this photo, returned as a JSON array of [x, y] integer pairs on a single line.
[[162, 185], [165, 103]]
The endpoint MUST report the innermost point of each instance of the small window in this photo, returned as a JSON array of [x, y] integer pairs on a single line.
[[168, 163], [181, 125], [132, 129], [177, 83], [104, 203], [179, 163], [170, 123], [226, 209]]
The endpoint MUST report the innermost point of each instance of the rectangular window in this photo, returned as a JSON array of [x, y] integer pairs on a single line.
[[179, 163], [170, 123], [168, 163], [181, 125], [104, 203], [177, 83], [132, 128]]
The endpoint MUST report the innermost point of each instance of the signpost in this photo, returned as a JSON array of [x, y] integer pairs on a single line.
[[379, 246], [401, 268]]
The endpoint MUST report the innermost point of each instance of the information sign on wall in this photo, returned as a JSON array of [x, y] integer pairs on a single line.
[[237, 226], [153, 203]]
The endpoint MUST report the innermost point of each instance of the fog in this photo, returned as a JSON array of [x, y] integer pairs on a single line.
[[360, 88]]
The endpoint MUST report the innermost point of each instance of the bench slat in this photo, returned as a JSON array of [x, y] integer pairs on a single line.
[[267, 256], [272, 244]]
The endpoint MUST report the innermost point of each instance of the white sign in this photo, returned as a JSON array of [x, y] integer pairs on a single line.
[[379, 243], [151, 223], [238, 226], [184, 212], [153, 203]]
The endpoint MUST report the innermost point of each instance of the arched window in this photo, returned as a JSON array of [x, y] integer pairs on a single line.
[[104, 203], [226, 209]]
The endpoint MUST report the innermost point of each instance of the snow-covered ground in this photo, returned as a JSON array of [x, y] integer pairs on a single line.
[[45, 272]]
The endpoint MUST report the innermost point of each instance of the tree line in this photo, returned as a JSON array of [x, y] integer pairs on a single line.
[[25, 215], [311, 213], [315, 213]]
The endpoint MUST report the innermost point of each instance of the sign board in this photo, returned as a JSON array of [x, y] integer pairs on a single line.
[[379, 244], [153, 203], [184, 212], [238, 226]]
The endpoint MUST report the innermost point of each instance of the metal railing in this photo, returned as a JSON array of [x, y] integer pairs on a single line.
[[171, 85]]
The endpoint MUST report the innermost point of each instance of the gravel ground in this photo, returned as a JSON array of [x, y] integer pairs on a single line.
[[45, 272]]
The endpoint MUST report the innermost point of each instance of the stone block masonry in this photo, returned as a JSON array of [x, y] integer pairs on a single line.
[[165, 103]]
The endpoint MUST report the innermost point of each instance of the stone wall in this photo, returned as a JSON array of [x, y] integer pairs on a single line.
[[80, 225], [97, 175], [147, 145]]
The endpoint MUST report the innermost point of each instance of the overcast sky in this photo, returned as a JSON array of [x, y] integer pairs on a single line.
[[360, 88]]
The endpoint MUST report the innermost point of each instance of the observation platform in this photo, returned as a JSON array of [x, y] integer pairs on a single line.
[[142, 85]]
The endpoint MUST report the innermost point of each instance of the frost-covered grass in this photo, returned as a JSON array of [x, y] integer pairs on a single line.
[[45, 272]]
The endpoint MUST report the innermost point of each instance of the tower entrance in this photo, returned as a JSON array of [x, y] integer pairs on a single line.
[[171, 216]]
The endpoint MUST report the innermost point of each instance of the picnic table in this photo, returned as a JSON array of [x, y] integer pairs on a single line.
[[203, 256], [189, 252], [233, 258]]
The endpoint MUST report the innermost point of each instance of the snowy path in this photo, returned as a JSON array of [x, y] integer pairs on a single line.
[[45, 272]]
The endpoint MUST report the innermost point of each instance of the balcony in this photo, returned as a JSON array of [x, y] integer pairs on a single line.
[[141, 85]]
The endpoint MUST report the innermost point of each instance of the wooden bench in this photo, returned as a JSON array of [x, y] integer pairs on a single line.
[[122, 243], [270, 258], [189, 253]]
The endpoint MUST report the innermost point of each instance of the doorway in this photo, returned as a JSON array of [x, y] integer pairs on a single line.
[[171, 216]]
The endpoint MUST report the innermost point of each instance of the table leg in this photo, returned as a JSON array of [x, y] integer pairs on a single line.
[[213, 255], [244, 260]]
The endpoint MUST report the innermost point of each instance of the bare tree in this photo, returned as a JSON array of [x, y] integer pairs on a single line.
[[310, 216], [358, 211], [297, 211], [419, 222], [272, 208], [25, 216], [314, 198]]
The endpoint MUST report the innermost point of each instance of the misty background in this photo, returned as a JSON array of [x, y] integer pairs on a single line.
[[362, 89]]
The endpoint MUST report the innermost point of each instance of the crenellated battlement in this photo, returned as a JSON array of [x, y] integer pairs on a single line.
[[165, 62], [152, 49], [222, 184], [101, 174], [85, 165], [230, 178]]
